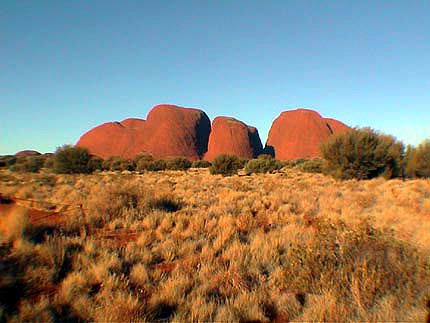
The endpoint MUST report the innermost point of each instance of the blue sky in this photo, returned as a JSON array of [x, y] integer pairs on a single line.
[[66, 66]]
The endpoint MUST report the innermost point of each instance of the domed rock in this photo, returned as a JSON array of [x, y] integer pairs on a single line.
[[233, 137], [108, 139], [169, 131], [175, 131], [299, 133], [26, 153]]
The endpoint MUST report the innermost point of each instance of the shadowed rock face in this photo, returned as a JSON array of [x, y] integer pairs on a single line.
[[336, 126], [175, 131], [168, 131], [233, 137], [27, 153], [299, 133]]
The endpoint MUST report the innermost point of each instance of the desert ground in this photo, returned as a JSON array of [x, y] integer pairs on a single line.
[[187, 246]]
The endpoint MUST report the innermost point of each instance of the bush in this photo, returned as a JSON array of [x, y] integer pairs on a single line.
[[7, 161], [294, 162], [116, 163], [225, 165], [49, 161], [264, 156], [69, 160], [30, 164], [178, 163], [33, 164], [201, 164], [142, 161], [146, 162], [417, 161], [311, 166], [262, 165], [363, 154], [157, 165], [95, 163]]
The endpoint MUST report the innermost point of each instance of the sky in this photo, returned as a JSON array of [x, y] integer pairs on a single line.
[[67, 66]]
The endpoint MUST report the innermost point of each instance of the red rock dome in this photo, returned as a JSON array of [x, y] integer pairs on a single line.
[[26, 153], [231, 136], [299, 133], [168, 131], [175, 131]]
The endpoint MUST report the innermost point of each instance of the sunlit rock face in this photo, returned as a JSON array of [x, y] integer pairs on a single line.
[[233, 137], [299, 134], [168, 131]]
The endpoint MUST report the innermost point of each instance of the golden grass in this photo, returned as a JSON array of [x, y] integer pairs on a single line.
[[192, 247]]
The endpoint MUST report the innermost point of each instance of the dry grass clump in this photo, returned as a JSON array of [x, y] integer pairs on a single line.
[[191, 247]]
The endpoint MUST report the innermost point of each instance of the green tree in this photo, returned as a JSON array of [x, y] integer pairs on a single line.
[[417, 160], [69, 159], [363, 154], [225, 165]]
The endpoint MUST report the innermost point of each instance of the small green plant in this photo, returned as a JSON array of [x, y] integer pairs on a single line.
[[417, 160], [157, 165], [363, 154], [225, 165], [7, 161], [142, 161], [201, 164], [69, 160], [311, 165], [28, 164], [49, 161], [95, 163], [265, 156], [178, 163], [115, 163], [262, 165]]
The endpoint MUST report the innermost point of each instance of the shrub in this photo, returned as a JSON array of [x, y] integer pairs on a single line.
[[49, 162], [262, 165], [95, 163], [362, 154], [146, 162], [115, 163], [156, 165], [129, 165], [201, 164], [178, 163], [265, 156], [417, 161], [7, 161], [142, 161], [311, 166], [69, 160], [31, 164], [294, 162], [225, 165]]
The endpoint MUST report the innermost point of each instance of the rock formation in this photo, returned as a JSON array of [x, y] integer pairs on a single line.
[[299, 133], [169, 131], [108, 139], [174, 131], [336, 126], [26, 153], [231, 136]]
